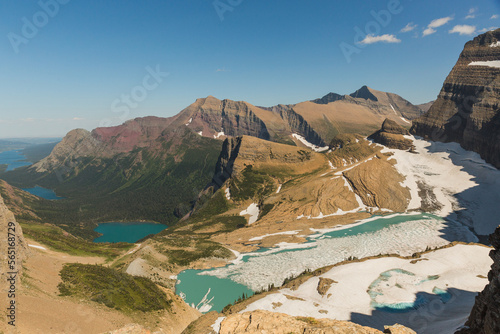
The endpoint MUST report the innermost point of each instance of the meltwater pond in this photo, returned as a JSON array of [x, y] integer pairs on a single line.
[[221, 291], [403, 234], [126, 232]]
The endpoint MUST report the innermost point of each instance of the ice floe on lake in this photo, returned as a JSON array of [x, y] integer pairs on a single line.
[[406, 238]]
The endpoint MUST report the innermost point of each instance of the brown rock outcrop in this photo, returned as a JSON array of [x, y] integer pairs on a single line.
[[467, 109], [485, 315], [378, 186], [324, 285], [259, 322], [391, 135], [398, 329]]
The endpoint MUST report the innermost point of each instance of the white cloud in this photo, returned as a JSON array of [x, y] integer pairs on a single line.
[[487, 29], [431, 28], [471, 14], [78, 119], [463, 29], [440, 22], [409, 27], [493, 17], [370, 39], [221, 70], [428, 31]]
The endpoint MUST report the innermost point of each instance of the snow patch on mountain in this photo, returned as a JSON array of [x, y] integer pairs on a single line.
[[489, 63], [308, 144], [252, 211]]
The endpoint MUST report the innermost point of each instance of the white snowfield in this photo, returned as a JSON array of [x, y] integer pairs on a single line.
[[228, 193], [489, 63], [216, 325], [37, 247], [253, 212], [394, 110], [457, 270], [189, 122], [465, 185], [273, 234], [308, 144], [219, 134], [274, 265], [405, 120], [137, 246], [494, 45]]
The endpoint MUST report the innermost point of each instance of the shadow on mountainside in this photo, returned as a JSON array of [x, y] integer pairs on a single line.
[[482, 202], [433, 316]]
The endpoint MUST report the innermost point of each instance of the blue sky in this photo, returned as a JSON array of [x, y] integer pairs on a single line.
[[71, 63]]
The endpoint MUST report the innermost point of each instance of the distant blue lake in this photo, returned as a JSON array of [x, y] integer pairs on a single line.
[[126, 232], [43, 193], [13, 159]]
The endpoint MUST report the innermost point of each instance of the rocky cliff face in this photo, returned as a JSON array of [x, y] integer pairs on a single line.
[[211, 117], [214, 118], [467, 109], [295, 123], [485, 315]]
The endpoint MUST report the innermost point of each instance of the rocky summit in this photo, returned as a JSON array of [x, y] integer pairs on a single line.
[[382, 102], [392, 135], [467, 109]]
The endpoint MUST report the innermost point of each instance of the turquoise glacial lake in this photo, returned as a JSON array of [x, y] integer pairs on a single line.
[[43, 193], [13, 159], [126, 232], [210, 293]]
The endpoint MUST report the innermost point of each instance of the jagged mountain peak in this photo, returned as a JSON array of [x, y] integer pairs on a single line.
[[486, 39], [366, 93], [328, 98]]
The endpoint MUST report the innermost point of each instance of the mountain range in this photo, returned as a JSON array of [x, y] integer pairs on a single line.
[[113, 173], [360, 207]]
